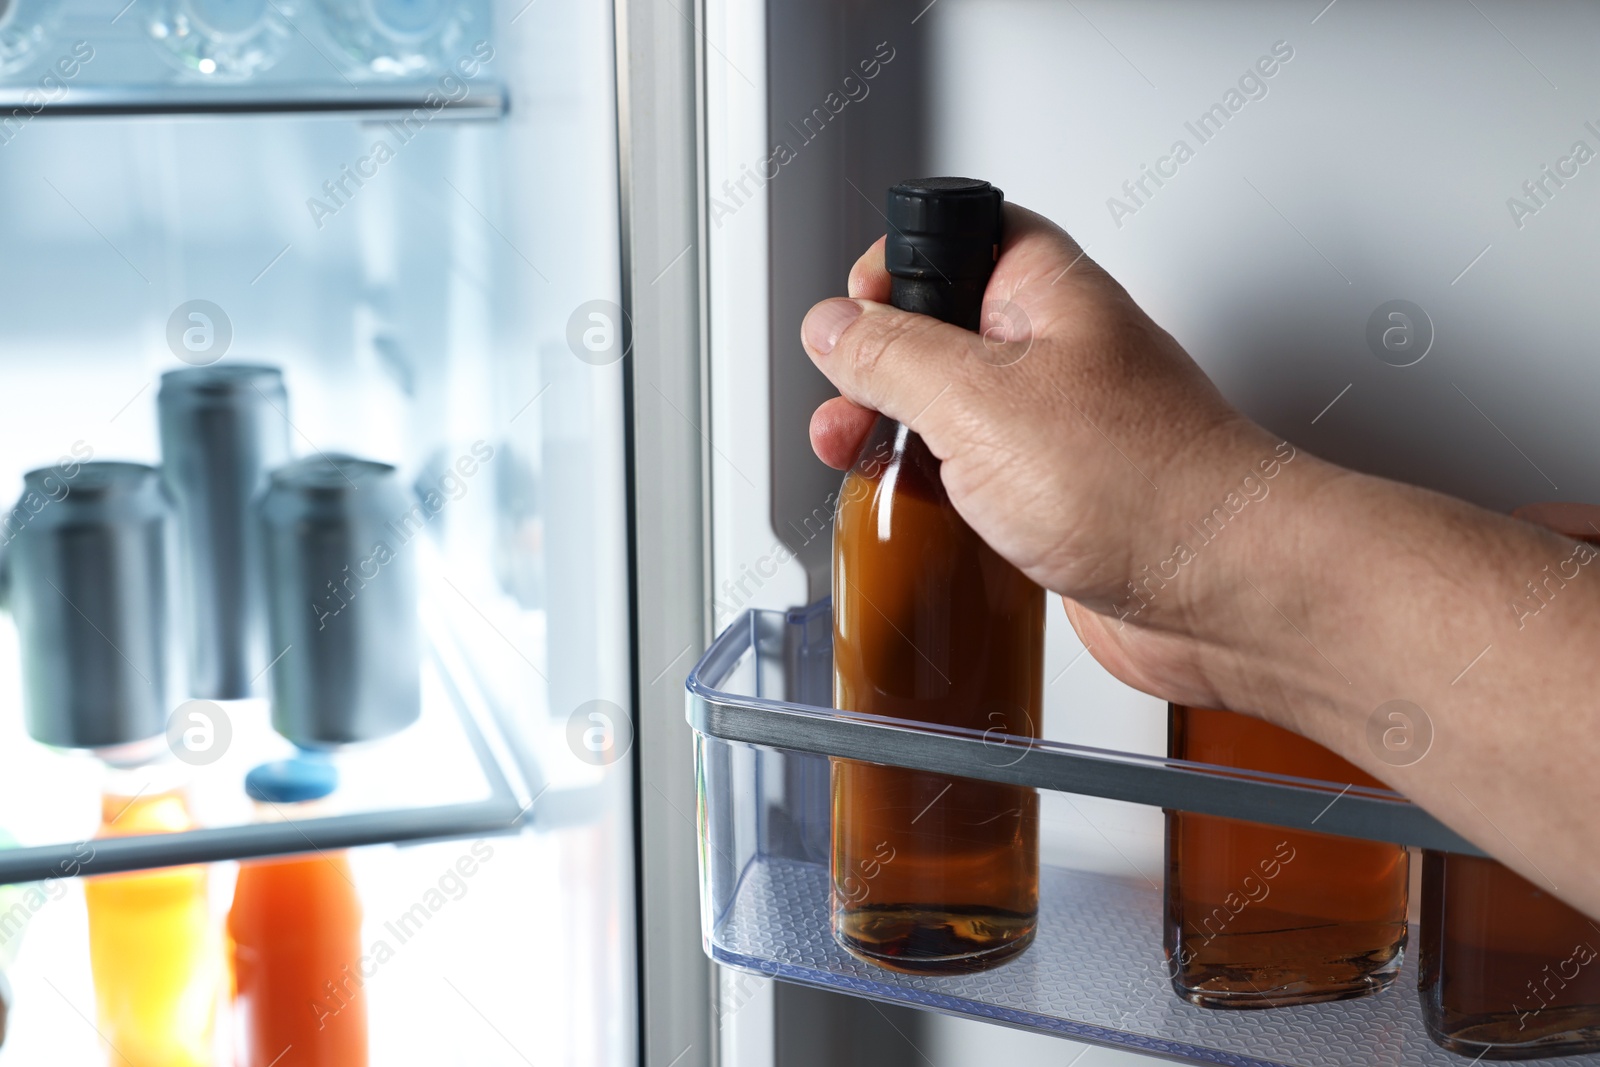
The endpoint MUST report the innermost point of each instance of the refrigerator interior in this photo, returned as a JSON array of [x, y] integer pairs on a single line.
[[1384, 160], [424, 315]]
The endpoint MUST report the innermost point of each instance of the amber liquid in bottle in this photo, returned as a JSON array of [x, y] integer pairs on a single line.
[[1261, 916], [932, 874], [1507, 970]]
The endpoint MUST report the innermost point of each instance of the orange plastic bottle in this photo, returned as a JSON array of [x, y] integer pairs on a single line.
[[296, 933], [153, 947]]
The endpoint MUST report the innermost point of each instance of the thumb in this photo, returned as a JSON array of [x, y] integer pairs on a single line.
[[892, 361]]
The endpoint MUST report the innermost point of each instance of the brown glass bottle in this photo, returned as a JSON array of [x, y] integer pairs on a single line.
[[1261, 916], [1508, 971], [932, 874]]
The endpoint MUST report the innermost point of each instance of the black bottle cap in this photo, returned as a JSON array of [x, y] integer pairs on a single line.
[[942, 228]]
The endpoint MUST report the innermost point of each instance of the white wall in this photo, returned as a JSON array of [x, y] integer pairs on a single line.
[[1377, 166]]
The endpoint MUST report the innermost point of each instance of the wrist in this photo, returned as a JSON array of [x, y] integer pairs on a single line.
[[1280, 602], [1217, 506], [1257, 529]]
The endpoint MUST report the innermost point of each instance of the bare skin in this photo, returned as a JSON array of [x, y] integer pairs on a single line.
[[1326, 595]]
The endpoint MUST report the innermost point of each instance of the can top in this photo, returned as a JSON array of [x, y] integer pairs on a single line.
[[330, 472], [221, 381], [946, 228], [99, 479]]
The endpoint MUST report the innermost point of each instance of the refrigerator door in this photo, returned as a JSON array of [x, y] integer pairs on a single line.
[[661, 50], [1385, 165]]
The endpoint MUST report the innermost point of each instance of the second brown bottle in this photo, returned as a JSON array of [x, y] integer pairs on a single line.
[[1259, 916]]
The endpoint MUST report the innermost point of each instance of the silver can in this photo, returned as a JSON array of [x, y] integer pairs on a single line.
[[342, 602], [223, 428], [88, 591]]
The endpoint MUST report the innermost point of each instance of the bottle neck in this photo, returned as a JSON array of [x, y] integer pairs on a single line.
[[958, 302], [288, 810], [155, 778], [153, 798]]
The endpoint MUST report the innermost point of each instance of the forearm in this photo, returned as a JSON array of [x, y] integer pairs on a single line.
[[1358, 591]]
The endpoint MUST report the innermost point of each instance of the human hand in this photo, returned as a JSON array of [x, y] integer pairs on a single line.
[[1088, 459], [1054, 459]]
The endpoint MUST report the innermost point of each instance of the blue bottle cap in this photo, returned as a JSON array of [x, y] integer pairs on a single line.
[[291, 781]]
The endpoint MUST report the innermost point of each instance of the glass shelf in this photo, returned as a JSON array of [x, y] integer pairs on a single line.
[[1097, 971], [462, 770], [106, 58]]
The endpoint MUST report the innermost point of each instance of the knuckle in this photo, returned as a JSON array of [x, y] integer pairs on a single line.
[[881, 343], [868, 340]]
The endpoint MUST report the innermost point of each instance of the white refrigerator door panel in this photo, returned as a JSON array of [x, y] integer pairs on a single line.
[[1385, 160]]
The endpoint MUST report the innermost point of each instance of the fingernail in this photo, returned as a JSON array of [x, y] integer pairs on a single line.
[[825, 322]]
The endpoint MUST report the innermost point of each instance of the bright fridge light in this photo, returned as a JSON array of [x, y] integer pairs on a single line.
[[395, 222]]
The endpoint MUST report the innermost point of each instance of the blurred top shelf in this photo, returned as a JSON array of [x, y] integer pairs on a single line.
[[375, 60]]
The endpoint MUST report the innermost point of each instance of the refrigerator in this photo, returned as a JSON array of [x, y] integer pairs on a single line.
[[566, 245]]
